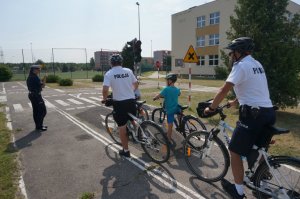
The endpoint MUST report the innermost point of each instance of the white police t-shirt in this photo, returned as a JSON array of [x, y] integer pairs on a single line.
[[121, 81], [250, 83]]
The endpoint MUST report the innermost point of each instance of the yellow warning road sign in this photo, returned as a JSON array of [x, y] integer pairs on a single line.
[[191, 56]]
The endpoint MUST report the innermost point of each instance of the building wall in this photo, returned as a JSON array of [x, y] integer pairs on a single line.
[[159, 55], [102, 59], [185, 32]]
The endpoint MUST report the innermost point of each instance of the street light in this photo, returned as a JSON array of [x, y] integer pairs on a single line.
[[137, 3]]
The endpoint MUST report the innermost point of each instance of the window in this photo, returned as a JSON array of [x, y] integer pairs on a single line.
[[200, 22], [214, 39], [201, 41], [201, 60], [213, 60], [214, 18]]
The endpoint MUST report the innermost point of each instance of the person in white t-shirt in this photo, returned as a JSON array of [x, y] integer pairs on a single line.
[[249, 82], [123, 83]]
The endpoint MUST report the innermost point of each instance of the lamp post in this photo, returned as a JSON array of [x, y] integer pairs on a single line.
[[31, 52], [137, 3]]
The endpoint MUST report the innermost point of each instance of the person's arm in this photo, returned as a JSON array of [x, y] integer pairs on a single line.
[[135, 85], [157, 97], [105, 91], [219, 96]]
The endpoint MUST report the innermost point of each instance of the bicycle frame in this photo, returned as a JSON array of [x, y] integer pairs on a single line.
[[223, 126]]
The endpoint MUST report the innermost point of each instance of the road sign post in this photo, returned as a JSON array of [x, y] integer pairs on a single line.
[[190, 57]]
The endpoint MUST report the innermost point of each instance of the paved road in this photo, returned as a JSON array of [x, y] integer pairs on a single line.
[[75, 155]]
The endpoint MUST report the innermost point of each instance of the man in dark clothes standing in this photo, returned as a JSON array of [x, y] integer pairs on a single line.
[[35, 86]]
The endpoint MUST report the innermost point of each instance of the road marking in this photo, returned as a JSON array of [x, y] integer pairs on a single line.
[[29, 103], [75, 101], [9, 126], [96, 98], [90, 106], [143, 167], [69, 109], [3, 98], [62, 103], [61, 91], [49, 105], [18, 108], [80, 107], [87, 100]]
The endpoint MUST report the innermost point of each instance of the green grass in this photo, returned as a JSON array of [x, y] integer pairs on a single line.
[[8, 164], [288, 144]]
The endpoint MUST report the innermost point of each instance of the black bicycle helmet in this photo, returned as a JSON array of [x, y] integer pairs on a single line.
[[172, 77], [241, 44], [116, 59]]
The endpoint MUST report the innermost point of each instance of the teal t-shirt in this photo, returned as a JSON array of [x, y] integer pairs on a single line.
[[170, 94]]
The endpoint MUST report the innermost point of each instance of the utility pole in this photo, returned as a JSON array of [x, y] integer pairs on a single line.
[[1, 55]]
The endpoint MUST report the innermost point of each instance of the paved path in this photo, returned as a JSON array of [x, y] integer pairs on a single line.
[[76, 155]]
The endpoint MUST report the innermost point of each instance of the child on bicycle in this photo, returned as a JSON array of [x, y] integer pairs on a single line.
[[170, 93]]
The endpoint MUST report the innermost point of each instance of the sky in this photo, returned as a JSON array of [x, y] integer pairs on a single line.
[[37, 26]]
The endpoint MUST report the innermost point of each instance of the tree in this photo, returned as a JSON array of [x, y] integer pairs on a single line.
[[127, 54], [276, 38], [42, 63], [64, 68], [92, 63]]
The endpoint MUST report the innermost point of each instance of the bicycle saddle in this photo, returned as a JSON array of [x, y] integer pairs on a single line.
[[277, 131], [140, 102], [184, 107]]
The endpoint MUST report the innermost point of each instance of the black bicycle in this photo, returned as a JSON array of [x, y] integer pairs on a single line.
[[184, 124], [270, 176], [153, 140]]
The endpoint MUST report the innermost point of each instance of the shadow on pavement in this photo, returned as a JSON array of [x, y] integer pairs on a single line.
[[27, 139], [124, 180]]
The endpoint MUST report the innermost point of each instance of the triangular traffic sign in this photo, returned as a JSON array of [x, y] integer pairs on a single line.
[[191, 56]]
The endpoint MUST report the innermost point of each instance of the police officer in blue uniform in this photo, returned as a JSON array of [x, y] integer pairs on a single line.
[[35, 86]]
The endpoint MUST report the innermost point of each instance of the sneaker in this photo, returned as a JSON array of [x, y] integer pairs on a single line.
[[125, 154], [231, 190]]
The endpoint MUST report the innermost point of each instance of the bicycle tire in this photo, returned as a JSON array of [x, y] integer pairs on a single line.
[[287, 170], [191, 124], [144, 116], [208, 168], [158, 115], [156, 144], [112, 128]]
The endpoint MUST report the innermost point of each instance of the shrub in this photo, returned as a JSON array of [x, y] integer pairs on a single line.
[[221, 72], [5, 74], [98, 78], [65, 82], [52, 79]]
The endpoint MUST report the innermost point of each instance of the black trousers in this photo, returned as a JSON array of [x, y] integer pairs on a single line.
[[39, 109]]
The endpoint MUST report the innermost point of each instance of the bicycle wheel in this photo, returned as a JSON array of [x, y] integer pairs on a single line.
[[286, 170], [142, 113], [158, 115], [112, 128], [207, 159], [191, 124], [156, 144]]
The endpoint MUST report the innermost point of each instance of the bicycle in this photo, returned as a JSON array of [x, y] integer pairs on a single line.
[[184, 124], [150, 135], [207, 157]]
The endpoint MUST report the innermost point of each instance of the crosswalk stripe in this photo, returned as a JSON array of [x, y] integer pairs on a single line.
[[87, 100], [96, 98], [18, 107], [49, 105], [75, 101], [62, 103], [29, 103]]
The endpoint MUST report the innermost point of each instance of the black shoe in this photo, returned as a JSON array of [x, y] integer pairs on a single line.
[[41, 128], [231, 190], [125, 154]]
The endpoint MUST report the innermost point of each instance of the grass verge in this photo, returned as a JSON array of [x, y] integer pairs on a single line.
[[288, 144], [8, 163]]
